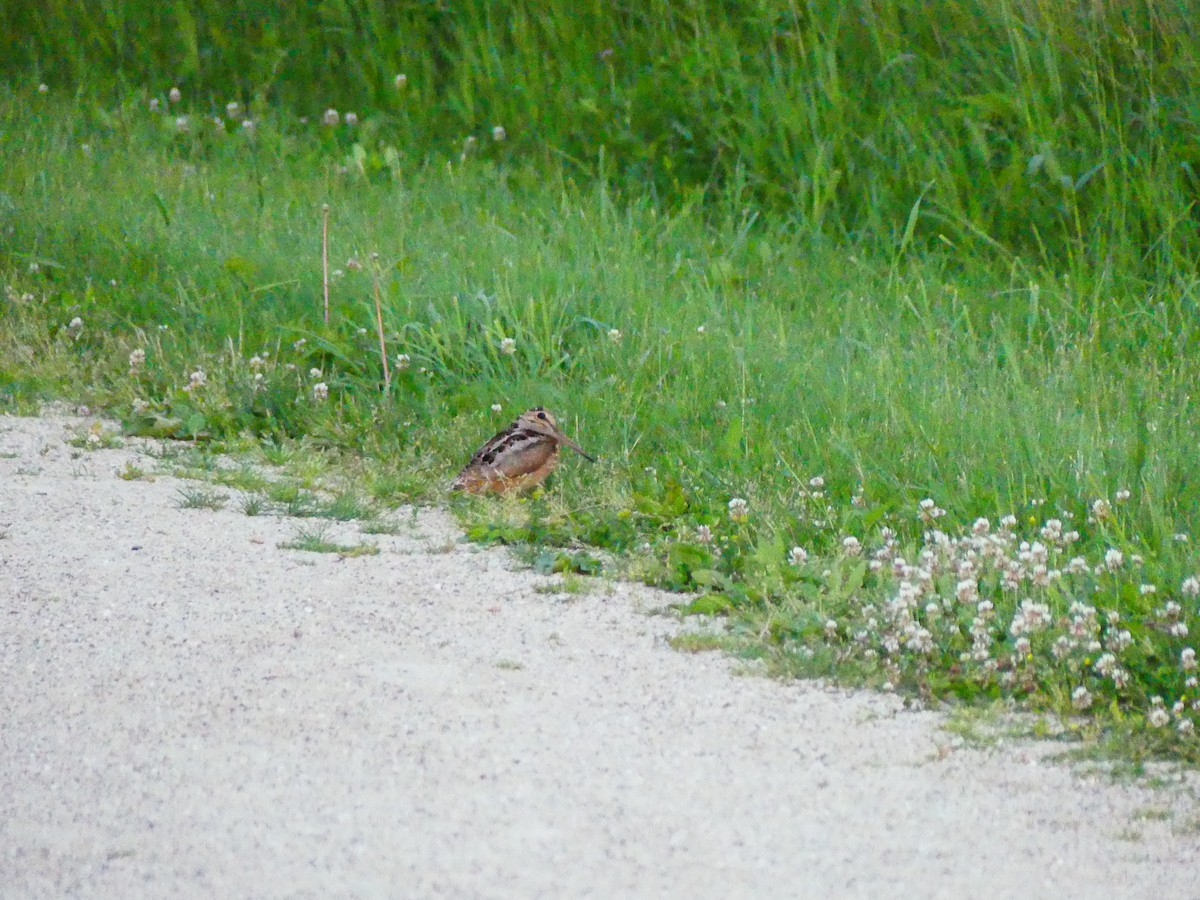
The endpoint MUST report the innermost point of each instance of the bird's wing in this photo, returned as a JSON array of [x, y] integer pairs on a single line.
[[513, 452]]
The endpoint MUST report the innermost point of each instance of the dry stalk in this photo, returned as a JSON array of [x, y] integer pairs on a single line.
[[325, 256], [383, 357]]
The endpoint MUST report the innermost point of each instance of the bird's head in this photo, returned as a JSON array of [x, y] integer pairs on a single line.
[[541, 421]]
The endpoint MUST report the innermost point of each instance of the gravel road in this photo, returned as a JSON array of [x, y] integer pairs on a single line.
[[188, 710]]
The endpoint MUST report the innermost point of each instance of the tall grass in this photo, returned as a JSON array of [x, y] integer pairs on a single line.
[[1064, 134], [745, 352]]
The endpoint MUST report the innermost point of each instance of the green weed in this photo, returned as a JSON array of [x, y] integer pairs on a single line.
[[316, 540], [201, 498]]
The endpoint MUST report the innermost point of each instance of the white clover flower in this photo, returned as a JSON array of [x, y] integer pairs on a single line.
[[930, 510], [816, 482], [196, 380], [43, 89], [248, 125], [1186, 727], [739, 509], [351, 119], [1121, 496], [1178, 629], [76, 324], [1113, 559], [330, 117], [320, 391], [1105, 665], [967, 591], [1081, 697], [704, 534], [1181, 538], [798, 556], [181, 123], [919, 639], [1147, 589], [1157, 717], [403, 361], [1009, 522], [614, 335], [137, 358], [1062, 646], [232, 108], [1190, 587], [298, 343], [314, 372], [498, 133], [851, 545], [508, 346], [1022, 646], [1031, 617], [153, 104], [401, 81], [981, 527], [496, 407], [1102, 510], [831, 627], [1077, 566], [175, 95], [1187, 659]]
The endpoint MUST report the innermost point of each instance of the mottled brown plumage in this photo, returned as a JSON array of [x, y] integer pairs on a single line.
[[518, 458]]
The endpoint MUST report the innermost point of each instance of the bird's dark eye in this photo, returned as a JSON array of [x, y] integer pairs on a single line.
[[541, 415]]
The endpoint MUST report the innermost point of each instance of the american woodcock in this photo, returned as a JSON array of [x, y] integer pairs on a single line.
[[517, 458]]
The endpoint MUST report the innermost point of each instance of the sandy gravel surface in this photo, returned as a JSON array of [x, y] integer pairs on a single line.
[[187, 710]]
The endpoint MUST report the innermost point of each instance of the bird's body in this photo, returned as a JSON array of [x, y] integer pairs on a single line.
[[518, 458]]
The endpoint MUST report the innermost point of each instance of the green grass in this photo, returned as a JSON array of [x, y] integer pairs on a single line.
[[1065, 133], [192, 497], [316, 540], [704, 351]]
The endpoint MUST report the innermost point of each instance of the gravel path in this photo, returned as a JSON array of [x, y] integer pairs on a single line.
[[187, 710]]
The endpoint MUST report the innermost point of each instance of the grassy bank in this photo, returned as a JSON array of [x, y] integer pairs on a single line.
[[807, 435]]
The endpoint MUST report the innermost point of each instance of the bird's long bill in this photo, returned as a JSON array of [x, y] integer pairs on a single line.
[[574, 446]]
